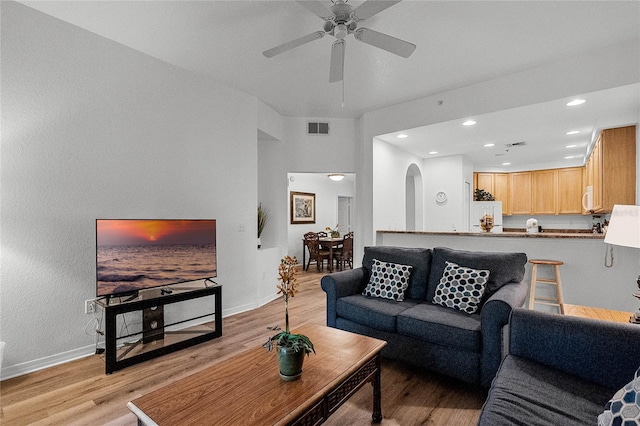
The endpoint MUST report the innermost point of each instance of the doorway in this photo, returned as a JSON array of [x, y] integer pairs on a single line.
[[345, 206]]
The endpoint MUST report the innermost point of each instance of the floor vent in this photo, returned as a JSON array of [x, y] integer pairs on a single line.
[[317, 128]]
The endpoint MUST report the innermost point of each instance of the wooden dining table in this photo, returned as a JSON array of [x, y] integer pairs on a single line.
[[329, 242]]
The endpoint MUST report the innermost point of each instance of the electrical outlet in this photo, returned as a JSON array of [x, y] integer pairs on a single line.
[[89, 306]]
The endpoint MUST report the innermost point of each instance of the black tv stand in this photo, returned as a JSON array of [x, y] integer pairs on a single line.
[[154, 339]]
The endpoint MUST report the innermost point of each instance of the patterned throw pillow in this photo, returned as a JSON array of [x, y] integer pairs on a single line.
[[461, 288], [624, 407], [388, 280]]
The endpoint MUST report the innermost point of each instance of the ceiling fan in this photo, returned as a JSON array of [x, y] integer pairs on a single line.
[[340, 20]]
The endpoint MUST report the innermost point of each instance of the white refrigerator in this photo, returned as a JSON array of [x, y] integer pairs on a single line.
[[481, 208]]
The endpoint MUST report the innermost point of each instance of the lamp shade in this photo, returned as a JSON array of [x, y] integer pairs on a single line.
[[624, 226]]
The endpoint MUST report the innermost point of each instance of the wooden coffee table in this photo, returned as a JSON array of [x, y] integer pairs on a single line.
[[247, 389]]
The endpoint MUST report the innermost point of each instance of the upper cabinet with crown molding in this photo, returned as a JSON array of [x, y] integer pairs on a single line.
[[611, 169]]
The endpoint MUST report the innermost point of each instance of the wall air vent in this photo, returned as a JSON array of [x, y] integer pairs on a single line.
[[317, 128], [509, 145]]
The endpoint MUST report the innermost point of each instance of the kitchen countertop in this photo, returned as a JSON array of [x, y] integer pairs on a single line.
[[544, 234]]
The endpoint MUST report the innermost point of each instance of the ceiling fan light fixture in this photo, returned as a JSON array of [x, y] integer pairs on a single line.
[[336, 177], [340, 31]]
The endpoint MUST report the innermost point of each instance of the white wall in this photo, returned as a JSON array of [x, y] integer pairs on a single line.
[[390, 166], [92, 129], [300, 154], [446, 174]]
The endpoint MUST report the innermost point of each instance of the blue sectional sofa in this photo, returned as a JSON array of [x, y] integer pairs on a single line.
[[562, 370], [421, 332]]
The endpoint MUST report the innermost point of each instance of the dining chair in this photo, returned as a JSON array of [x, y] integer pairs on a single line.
[[316, 252], [344, 254]]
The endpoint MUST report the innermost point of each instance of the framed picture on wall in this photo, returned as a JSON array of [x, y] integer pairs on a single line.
[[303, 207]]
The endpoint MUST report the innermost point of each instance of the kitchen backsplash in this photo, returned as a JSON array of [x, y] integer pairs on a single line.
[[554, 222]]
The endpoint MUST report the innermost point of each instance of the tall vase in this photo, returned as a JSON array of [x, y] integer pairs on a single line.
[[290, 362]]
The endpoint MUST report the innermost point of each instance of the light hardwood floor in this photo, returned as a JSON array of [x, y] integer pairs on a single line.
[[79, 393]]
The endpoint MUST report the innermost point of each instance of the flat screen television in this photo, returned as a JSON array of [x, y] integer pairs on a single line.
[[135, 254]]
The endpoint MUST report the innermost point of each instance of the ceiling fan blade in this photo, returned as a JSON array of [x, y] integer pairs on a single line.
[[336, 70], [317, 8], [372, 7], [293, 44], [385, 42]]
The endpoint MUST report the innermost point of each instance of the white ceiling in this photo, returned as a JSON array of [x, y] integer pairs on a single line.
[[542, 127], [458, 43]]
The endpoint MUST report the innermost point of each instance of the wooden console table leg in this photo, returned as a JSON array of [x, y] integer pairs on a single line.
[[377, 393]]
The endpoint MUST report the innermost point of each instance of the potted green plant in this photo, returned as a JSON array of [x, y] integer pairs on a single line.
[[333, 232], [482, 195], [263, 218], [291, 348]]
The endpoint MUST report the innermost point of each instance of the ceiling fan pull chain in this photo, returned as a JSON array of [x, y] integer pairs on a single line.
[[343, 93]]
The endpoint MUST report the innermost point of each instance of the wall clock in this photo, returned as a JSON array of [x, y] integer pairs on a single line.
[[441, 197]]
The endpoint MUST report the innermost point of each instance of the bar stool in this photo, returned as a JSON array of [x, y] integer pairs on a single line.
[[555, 281]]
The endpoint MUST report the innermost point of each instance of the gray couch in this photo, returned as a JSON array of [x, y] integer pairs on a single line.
[[461, 345], [560, 370]]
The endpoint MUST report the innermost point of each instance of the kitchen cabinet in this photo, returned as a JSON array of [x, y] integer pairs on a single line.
[[495, 183], [520, 195], [570, 190], [611, 169], [544, 188], [548, 192], [501, 190], [483, 181]]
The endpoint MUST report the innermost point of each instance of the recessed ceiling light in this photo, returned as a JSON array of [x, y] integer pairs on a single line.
[[433, 152], [572, 132], [569, 157], [402, 136], [571, 146], [489, 145], [469, 123], [506, 164], [576, 102]]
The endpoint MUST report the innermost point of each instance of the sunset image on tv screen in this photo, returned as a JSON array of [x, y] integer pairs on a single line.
[[138, 254]]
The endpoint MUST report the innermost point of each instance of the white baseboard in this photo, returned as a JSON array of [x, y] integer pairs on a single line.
[[268, 299], [46, 362]]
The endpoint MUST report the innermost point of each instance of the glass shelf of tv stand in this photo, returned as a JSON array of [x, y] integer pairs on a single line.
[[159, 331]]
